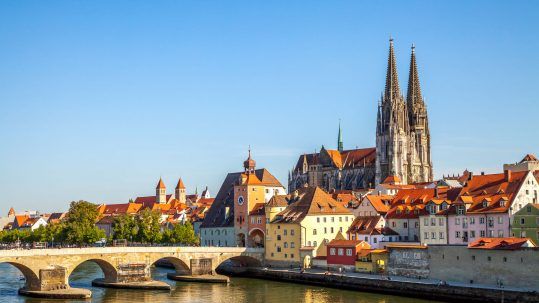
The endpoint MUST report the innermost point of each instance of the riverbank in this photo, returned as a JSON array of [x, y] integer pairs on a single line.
[[424, 289]]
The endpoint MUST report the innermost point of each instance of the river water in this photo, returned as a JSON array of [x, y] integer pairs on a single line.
[[240, 290]]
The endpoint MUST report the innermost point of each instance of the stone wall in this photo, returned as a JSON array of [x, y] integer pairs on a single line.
[[516, 268], [408, 262], [53, 278]]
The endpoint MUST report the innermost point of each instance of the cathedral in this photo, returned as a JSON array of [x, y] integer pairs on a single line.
[[402, 143]]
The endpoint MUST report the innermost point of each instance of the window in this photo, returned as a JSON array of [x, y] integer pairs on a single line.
[[473, 258], [500, 220], [340, 219], [331, 229], [348, 251], [285, 232], [489, 258], [285, 244], [291, 256], [482, 233], [340, 251], [286, 256], [292, 245], [441, 221], [457, 234], [278, 249], [500, 233], [426, 235], [481, 220], [346, 219], [416, 224], [433, 235], [315, 244], [426, 221], [441, 235], [457, 221], [324, 219], [522, 221], [314, 232], [393, 224], [318, 220], [405, 224], [292, 232], [332, 219], [504, 259], [325, 230], [472, 233], [375, 240], [433, 221], [332, 251]]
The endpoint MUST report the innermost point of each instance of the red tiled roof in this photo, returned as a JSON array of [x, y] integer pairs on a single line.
[[392, 180], [380, 202], [529, 157], [116, 209], [344, 243], [180, 184], [258, 210], [500, 243], [161, 184], [148, 201]]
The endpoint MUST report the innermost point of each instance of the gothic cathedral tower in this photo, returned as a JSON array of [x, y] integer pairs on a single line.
[[402, 128], [420, 162], [392, 127]]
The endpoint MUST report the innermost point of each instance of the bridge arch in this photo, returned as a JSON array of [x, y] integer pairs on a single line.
[[180, 265], [31, 277], [109, 271], [240, 261]]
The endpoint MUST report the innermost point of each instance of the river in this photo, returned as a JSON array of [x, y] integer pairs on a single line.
[[240, 290]]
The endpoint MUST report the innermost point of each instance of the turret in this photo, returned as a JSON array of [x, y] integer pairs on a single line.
[[161, 192], [179, 193]]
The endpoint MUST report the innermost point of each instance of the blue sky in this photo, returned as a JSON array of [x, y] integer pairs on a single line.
[[98, 99]]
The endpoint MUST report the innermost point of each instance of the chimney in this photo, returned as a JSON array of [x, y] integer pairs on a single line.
[[470, 176], [436, 192], [482, 173], [507, 175]]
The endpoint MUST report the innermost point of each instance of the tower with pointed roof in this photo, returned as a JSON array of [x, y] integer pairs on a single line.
[[340, 146], [179, 192], [420, 164], [249, 165], [392, 127], [161, 192]]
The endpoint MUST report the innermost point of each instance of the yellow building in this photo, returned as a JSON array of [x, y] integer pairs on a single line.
[[372, 260], [311, 217]]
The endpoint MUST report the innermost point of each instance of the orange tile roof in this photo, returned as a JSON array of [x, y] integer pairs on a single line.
[[148, 201], [258, 209], [117, 209], [180, 184], [344, 243], [161, 184], [392, 180], [500, 243], [251, 179], [492, 193], [380, 202], [20, 219], [310, 201]]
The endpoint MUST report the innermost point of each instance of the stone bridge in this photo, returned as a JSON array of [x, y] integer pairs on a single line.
[[47, 270]]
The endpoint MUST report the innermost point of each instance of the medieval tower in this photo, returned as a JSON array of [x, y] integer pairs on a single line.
[[402, 132]]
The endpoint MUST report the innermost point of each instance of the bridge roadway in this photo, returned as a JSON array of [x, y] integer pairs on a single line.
[[47, 271]]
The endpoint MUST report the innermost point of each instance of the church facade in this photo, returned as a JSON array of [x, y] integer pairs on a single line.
[[402, 143]]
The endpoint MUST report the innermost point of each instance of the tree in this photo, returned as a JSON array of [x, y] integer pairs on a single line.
[[125, 227], [80, 226], [181, 233], [149, 227]]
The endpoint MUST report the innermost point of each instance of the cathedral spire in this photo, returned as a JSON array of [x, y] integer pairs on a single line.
[[414, 89], [339, 138], [392, 90]]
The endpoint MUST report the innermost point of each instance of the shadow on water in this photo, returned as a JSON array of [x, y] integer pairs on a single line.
[[240, 290]]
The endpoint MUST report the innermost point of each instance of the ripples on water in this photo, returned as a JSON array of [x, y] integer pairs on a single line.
[[240, 290]]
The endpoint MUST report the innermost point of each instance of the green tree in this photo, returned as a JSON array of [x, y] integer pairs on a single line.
[[125, 227], [181, 234], [80, 226], [149, 228]]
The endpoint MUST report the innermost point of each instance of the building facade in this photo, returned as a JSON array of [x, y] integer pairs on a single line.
[[526, 223]]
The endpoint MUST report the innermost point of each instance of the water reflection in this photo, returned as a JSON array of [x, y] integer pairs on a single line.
[[240, 290]]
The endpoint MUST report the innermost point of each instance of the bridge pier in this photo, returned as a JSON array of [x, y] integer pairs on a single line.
[[200, 270], [131, 276], [52, 283]]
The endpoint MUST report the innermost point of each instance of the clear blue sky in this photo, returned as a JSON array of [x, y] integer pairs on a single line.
[[100, 98]]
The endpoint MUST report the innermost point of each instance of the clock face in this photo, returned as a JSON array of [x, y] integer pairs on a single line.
[[240, 200]]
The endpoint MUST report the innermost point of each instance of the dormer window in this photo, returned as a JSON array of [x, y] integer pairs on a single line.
[[502, 203], [485, 204]]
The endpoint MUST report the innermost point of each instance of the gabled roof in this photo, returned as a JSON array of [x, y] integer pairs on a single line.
[[365, 225], [529, 157], [279, 201], [501, 243], [392, 180], [258, 210], [344, 243], [310, 201], [20, 219], [380, 202], [119, 209], [492, 189], [149, 201]]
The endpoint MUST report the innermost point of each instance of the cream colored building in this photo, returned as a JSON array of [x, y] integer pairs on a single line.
[[310, 218]]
